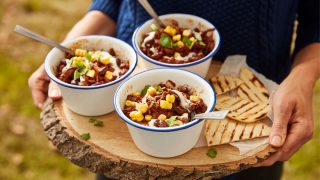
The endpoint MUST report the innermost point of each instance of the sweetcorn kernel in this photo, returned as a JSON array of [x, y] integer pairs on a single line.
[[170, 30], [80, 52], [194, 98], [76, 61], [170, 98], [105, 61], [143, 107], [152, 91], [165, 104], [176, 37], [147, 117], [108, 75], [136, 115], [136, 94], [178, 122], [139, 116], [186, 32], [133, 114], [180, 43], [176, 55], [91, 73], [162, 117], [193, 39], [130, 103]]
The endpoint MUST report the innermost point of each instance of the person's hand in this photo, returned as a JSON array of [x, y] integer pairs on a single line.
[[41, 87], [94, 22], [292, 112]]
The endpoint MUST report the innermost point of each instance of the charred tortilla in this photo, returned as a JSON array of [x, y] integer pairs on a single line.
[[241, 109], [223, 84], [252, 89], [228, 130]]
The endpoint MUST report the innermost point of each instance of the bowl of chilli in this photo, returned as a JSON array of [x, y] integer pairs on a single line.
[[186, 42], [157, 104], [89, 78]]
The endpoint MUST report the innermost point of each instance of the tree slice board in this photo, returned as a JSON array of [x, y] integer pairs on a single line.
[[111, 151]]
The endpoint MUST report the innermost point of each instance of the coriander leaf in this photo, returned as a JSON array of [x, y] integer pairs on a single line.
[[98, 123], [165, 41], [187, 41], [85, 136], [83, 71], [144, 90], [212, 153], [171, 120], [158, 88], [79, 64], [202, 43], [76, 75], [88, 56]]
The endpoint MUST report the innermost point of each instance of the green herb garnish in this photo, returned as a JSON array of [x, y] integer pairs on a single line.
[[96, 122], [171, 120], [158, 88], [144, 90], [154, 27], [79, 64], [85, 136], [202, 43], [187, 41], [212, 153], [83, 71], [88, 56], [76, 75], [165, 41]]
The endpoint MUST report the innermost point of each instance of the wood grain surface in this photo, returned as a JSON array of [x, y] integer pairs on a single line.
[[111, 151]]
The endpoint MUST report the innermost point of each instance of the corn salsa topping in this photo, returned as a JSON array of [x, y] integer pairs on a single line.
[[90, 68], [176, 45], [163, 105]]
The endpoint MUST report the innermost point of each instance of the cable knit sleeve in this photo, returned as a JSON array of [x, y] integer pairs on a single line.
[[309, 23], [108, 7]]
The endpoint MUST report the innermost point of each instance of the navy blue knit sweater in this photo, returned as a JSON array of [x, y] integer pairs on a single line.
[[260, 29]]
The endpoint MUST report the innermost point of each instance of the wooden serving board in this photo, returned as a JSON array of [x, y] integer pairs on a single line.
[[111, 151]]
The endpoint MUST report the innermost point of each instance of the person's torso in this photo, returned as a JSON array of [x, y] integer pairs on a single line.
[[260, 29]]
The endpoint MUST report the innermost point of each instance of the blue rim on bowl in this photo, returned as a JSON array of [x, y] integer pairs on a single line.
[[207, 57], [58, 81], [167, 129]]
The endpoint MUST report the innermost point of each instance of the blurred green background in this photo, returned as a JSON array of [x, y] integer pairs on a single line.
[[25, 152]]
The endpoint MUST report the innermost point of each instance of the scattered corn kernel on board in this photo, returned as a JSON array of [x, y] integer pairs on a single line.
[[111, 151]]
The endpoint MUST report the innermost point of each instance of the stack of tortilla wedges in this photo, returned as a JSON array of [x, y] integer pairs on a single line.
[[248, 106]]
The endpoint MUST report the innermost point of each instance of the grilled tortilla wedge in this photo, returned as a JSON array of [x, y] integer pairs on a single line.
[[228, 130], [223, 84], [252, 89], [241, 109]]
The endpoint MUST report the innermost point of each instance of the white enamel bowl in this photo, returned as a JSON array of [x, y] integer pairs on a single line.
[[170, 141], [201, 66], [90, 100]]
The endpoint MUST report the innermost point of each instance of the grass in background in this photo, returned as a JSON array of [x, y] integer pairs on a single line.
[[25, 152]]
